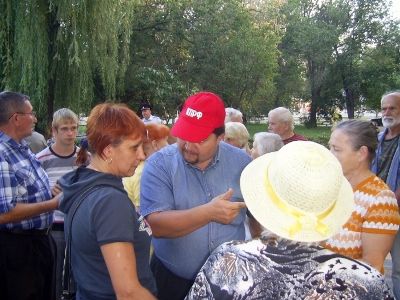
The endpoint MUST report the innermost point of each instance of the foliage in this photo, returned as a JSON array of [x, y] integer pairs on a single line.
[[257, 54], [180, 47], [23, 48], [380, 68], [333, 40], [62, 52]]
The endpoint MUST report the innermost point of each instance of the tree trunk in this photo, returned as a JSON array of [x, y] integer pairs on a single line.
[[315, 85], [350, 100]]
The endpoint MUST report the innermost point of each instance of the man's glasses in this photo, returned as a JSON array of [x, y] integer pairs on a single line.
[[32, 113]]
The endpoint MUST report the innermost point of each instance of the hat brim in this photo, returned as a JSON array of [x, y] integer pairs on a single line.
[[258, 201], [185, 130]]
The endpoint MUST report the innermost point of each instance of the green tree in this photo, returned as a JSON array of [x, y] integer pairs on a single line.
[[156, 73], [231, 53], [311, 33], [362, 27], [183, 46], [380, 67], [63, 53]]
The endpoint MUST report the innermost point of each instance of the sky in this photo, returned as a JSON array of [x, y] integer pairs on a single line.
[[395, 10]]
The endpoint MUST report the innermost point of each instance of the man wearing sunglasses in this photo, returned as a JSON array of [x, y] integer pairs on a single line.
[[26, 205]]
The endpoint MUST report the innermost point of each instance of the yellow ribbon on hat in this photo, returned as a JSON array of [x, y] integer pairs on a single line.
[[301, 218]]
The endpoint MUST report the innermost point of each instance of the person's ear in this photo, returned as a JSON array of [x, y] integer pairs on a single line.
[[53, 131], [363, 153], [154, 144], [13, 117], [107, 152]]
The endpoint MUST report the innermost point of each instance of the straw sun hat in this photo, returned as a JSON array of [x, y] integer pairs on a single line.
[[298, 192]]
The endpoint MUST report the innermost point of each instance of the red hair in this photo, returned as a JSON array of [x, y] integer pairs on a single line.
[[156, 132], [109, 124]]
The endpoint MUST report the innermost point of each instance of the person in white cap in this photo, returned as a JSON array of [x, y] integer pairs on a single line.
[[190, 195], [300, 196]]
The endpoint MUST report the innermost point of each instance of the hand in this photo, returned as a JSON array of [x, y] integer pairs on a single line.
[[56, 190], [222, 210]]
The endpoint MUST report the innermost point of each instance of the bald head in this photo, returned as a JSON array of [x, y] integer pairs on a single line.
[[393, 94]]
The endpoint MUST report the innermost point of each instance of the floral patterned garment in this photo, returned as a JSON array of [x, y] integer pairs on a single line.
[[281, 269]]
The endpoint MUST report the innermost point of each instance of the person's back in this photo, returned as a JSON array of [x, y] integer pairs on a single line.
[[36, 142], [282, 269]]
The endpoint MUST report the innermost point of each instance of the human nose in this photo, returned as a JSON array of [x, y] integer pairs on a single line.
[[385, 111], [188, 145], [140, 154]]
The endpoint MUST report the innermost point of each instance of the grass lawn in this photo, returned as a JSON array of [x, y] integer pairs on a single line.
[[320, 134]]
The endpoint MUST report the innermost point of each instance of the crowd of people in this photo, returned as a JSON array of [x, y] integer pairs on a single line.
[[136, 216]]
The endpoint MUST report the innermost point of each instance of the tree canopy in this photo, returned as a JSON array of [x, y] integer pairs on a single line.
[[257, 54]]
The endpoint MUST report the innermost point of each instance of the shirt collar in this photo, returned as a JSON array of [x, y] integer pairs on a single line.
[[4, 138]]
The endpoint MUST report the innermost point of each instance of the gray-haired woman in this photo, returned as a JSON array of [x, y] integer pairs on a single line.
[[369, 233]]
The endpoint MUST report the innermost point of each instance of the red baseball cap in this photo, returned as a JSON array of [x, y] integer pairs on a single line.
[[201, 114]]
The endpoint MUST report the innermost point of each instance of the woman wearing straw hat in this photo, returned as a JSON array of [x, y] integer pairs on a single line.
[[369, 233], [299, 194]]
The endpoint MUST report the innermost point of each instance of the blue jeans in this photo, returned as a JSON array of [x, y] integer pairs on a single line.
[[395, 252]]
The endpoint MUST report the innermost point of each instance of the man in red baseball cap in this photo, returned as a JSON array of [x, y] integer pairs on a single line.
[[202, 113], [190, 195]]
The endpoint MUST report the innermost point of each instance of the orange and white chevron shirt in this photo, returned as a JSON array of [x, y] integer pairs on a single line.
[[375, 211]]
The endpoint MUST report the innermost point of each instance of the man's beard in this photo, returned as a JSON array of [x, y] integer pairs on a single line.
[[389, 122]]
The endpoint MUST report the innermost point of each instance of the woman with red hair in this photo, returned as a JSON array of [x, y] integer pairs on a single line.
[[109, 241], [156, 138]]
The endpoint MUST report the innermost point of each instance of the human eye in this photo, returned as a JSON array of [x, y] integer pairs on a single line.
[[336, 149], [136, 147]]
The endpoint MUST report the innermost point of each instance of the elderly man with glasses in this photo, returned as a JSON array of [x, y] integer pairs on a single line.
[[26, 205]]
